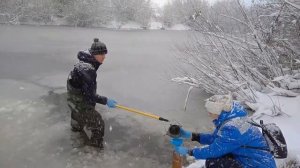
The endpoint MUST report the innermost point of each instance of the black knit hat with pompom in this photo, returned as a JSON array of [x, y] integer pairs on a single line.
[[98, 48]]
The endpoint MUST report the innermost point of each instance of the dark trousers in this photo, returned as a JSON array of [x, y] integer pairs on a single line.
[[84, 118], [223, 162]]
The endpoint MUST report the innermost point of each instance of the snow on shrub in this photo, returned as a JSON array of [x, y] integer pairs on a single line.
[[246, 57]]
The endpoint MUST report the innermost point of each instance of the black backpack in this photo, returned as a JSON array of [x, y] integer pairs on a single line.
[[274, 138]]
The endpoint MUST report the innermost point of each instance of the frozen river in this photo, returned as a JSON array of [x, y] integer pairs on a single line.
[[34, 119]]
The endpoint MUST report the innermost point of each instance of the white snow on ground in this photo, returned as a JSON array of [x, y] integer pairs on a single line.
[[155, 25], [112, 25], [131, 25], [288, 122], [179, 27], [136, 26], [197, 164], [123, 26]]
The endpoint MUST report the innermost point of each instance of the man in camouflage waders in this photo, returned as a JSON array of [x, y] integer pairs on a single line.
[[82, 96]]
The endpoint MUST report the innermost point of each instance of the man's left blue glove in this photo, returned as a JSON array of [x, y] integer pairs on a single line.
[[185, 134], [111, 103], [176, 142]]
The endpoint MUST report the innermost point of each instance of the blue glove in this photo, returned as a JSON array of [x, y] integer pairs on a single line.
[[181, 150], [176, 142], [111, 103], [185, 134]]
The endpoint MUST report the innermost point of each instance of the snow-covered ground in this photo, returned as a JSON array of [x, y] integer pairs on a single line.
[[179, 27], [153, 25], [289, 122]]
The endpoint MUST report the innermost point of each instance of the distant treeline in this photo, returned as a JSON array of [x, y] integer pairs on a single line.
[[83, 13], [94, 13]]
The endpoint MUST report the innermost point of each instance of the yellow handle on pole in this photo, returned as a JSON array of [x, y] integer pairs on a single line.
[[142, 113]]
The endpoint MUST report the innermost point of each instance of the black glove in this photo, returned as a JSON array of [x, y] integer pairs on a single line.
[[195, 137]]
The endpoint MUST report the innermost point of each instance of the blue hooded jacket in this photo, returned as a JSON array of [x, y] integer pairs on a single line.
[[235, 136]]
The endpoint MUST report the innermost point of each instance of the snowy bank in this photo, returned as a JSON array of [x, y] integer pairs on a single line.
[[179, 27], [288, 121], [155, 25], [130, 25]]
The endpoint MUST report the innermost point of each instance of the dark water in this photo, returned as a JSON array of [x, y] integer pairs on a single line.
[[34, 119]]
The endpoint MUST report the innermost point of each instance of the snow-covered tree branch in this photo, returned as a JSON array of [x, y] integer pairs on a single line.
[[248, 56]]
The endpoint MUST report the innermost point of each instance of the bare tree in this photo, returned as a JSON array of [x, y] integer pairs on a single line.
[[132, 10], [246, 55], [183, 11]]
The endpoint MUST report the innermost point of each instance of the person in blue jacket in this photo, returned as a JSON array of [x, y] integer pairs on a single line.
[[234, 143]]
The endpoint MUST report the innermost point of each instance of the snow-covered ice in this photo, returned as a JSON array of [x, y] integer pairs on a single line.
[[34, 118]]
